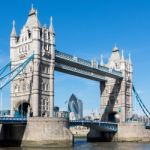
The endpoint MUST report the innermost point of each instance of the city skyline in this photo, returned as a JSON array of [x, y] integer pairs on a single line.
[[66, 26]]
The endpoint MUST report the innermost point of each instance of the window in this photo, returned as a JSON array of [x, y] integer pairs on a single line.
[[24, 87], [28, 46], [43, 86], [47, 87]]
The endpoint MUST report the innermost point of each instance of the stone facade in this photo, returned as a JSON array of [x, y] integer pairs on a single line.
[[34, 87], [116, 95], [38, 132], [79, 131]]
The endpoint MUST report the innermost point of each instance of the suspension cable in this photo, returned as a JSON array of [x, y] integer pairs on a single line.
[[11, 75], [2, 70], [139, 99], [143, 107]]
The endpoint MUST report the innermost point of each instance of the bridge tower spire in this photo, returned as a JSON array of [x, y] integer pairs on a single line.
[[52, 65], [51, 28], [129, 59], [13, 32], [101, 60], [13, 39], [122, 56]]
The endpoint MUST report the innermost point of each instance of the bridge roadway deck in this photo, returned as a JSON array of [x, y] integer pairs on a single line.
[[77, 66], [13, 120], [101, 126]]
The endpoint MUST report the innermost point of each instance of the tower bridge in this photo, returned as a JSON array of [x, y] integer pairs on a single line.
[[34, 60], [34, 87]]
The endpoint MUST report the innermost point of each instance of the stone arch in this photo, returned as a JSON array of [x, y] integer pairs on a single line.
[[113, 116], [23, 109]]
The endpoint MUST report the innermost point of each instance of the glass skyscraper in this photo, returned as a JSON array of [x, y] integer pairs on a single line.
[[75, 107]]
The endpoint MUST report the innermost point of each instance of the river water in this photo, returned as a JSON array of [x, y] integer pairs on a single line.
[[81, 144]]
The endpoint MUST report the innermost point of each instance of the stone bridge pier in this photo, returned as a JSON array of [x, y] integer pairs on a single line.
[[32, 91]]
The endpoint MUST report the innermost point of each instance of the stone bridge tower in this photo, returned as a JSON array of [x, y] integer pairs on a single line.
[[32, 91], [116, 96]]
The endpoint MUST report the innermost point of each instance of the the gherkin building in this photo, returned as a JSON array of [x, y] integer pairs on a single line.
[[75, 105]]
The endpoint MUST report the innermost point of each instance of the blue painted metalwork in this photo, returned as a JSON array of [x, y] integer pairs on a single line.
[[143, 107], [88, 64], [106, 126], [6, 79], [2, 70], [13, 120], [82, 72]]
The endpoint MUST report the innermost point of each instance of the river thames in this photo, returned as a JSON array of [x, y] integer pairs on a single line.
[[81, 144]]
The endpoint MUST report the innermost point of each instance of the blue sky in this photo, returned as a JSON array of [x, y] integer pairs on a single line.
[[86, 28]]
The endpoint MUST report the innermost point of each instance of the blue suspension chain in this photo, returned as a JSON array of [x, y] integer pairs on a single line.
[[2, 70], [6, 79], [143, 107]]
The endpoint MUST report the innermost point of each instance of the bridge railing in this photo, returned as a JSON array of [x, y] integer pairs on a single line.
[[9, 120], [93, 121], [63, 55], [108, 126]]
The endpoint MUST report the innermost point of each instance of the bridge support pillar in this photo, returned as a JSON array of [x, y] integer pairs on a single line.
[[51, 90], [95, 135], [38, 132], [52, 67], [35, 96]]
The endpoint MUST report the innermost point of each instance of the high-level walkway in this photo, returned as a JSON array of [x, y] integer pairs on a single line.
[[77, 66]]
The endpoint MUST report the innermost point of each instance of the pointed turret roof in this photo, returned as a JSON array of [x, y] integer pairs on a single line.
[[122, 56], [115, 48], [51, 28], [32, 11], [115, 56], [101, 61], [32, 20], [130, 58], [13, 32]]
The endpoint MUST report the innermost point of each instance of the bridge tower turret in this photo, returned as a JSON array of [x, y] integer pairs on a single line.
[[116, 95], [13, 38]]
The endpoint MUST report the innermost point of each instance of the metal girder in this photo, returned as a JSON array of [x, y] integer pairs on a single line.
[[2, 70], [79, 72], [4, 80], [142, 105], [84, 65], [12, 120], [105, 126]]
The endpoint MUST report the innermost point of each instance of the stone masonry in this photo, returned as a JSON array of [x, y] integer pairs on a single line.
[[35, 85]]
